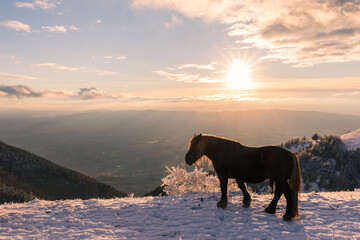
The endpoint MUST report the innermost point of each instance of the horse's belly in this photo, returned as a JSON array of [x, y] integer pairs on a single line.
[[249, 176], [255, 180]]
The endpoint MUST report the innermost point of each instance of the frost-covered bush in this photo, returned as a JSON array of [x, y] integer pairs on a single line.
[[10, 194], [180, 181]]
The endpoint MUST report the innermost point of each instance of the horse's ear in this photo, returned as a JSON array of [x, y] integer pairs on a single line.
[[194, 134]]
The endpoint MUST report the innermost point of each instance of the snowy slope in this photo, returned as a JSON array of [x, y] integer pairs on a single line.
[[190, 216], [351, 139]]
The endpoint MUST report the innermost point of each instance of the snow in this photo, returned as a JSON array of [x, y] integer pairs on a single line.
[[323, 215], [351, 139]]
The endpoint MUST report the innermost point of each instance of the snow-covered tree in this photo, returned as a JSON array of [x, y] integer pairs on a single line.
[[180, 181]]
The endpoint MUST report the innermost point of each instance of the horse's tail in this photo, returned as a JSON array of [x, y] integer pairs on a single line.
[[295, 184]]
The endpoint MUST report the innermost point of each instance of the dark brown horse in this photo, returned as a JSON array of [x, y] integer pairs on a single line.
[[231, 159]]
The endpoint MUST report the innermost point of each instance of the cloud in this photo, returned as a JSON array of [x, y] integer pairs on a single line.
[[351, 93], [11, 76], [24, 5], [205, 9], [18, 91], [74, 69], [111, 59], [42, 4], [121, 57], [190, 73], [19, 26], [184, 77], [56, 29], [16, 25], [198, 66], [56, 66], [92, 93], [175, 21], [74, 28], [296, 32]]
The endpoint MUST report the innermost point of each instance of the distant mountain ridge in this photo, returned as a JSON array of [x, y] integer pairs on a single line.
[[130, 149], [23, 173]]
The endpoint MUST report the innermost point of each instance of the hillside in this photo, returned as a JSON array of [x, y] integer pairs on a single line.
[[130, 149], [330, 215], [327, 164], [351, 139], [25, 174]]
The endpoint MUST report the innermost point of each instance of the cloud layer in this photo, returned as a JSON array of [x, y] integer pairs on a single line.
[[22, 91], [296, 32]]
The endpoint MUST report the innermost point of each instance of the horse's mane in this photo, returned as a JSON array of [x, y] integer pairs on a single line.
[[211, 138]]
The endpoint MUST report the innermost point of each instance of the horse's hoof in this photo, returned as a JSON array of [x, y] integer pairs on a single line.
[[270, 210], [221, 204], [287, 217]]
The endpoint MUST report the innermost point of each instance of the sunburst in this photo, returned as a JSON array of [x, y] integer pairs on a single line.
[[238, 76]]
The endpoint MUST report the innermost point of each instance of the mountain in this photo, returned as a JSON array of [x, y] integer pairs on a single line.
[[130, 149], [24, 175], [351, 139]]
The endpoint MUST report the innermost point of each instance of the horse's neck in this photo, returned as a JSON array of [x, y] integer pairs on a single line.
[[211, 147], [214, 145]]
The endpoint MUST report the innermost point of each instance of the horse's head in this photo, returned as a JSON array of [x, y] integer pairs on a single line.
[[196, 149]]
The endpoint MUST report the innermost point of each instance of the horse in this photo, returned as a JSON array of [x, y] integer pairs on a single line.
[[231, 159]]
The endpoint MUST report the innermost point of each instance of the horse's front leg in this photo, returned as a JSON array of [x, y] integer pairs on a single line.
[[224, 194], [246, 196]]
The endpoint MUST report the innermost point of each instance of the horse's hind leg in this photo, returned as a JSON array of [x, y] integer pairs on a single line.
[[290, 211], [247, 198], [278, 192]]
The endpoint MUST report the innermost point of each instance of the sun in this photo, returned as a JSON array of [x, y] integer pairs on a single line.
[[238, 76]]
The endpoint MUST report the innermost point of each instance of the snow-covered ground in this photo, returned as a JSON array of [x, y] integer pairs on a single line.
[[190, 216], [351, 139]]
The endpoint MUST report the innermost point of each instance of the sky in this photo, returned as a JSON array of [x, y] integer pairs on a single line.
[[200, 55]]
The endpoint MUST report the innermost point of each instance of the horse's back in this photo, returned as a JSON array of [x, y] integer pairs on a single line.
[[279, 161], [251, 164]]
